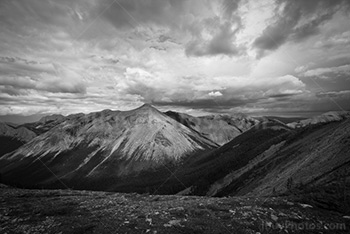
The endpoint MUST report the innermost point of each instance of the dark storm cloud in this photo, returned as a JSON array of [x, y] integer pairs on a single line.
[[7, 60], [230, 7], [133, 13], [299, 20], [175, 15], [206, 103], [220, 43], [164, 38], [158, 48], [334, 94], [38, 13], [283, 95], [223, 33]]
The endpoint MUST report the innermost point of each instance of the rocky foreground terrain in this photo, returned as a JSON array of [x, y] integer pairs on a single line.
[[68, 211]]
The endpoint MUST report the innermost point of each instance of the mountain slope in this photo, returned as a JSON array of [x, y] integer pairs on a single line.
[[311, 163], [85, 150], [218, 128], [203, 171], [11, 138]]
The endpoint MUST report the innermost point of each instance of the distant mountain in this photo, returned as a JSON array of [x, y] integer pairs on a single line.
[[324, 118], [218, 128], [44, 124], [20, 133], [286, 120], [11, 138], [51, 118], [95, 150]]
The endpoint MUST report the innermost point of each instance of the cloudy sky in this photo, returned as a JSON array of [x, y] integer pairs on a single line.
[[197, 56]]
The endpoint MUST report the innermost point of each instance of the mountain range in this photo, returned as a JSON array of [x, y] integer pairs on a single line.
[[145, 150]]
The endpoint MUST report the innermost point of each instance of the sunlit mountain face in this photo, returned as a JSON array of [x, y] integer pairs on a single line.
[[94, 151], [271, 57]]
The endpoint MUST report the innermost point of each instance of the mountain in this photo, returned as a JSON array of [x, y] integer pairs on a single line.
[[309, 163], [218, 128], [51, 118], [20, 133], [96, 150], [44, 124], [11, 137], [145, 150], [324, 118], [286, 120], [204, 170]]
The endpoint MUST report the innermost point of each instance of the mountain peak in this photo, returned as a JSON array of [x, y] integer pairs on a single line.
[[53, 117], [146, 105], [147, 108]]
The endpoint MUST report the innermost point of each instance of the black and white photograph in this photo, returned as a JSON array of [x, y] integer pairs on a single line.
[[174, 116]]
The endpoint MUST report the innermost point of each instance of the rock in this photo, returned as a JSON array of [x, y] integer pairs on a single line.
[[175, 222], [177, 209], [149, 220], [269, 224], [274, 217], [305, 205]]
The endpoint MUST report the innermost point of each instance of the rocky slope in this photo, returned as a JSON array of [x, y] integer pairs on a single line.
[[218, 128], [94, 150]]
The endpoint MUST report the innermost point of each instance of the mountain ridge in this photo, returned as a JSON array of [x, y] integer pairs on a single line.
[[107, 144]]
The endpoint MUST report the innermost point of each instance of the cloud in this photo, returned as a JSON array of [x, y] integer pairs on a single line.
[[298, 20], [221, 43], [210, 34], [215, 94], [339, 40], [327, 72], [70, 56], [197, 92], [230, 7], [126, 14], [46, 83], [45, 77], [217, 35], [335, 94]]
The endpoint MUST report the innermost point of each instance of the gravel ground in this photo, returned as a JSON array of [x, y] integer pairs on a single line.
[[69, 211]]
